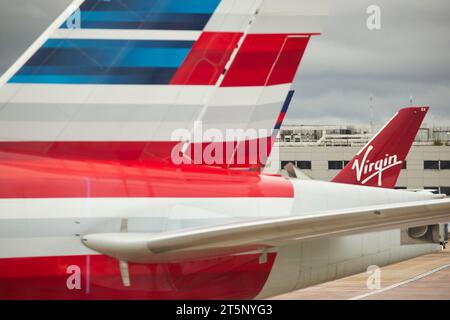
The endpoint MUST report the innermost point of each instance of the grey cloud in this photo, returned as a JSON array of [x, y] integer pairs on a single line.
[[348, 63]]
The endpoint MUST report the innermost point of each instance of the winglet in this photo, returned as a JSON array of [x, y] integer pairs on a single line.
[[379, 163]]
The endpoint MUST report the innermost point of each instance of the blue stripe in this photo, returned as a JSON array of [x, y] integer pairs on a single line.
[[151, 57], [146, 76], [287, 102], [148, 6], [110, 53], [104, 61], [159, 58], [87, 71], [285, 108], [146, 14], [173, 21], [120, 16], [112, 16], [82, 43]]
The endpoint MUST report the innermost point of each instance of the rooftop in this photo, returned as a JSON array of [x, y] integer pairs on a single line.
[[352, 136]]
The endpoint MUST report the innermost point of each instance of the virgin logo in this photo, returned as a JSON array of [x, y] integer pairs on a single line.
[[366, 170]]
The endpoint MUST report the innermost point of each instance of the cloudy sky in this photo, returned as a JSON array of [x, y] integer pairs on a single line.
[[341, 69]]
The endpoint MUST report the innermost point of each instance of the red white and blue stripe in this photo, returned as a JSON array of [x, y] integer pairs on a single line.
[[131, 72]]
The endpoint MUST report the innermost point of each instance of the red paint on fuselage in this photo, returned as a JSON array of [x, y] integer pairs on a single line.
[[89, 150], [23, 176], [233, 277], [244, 154]]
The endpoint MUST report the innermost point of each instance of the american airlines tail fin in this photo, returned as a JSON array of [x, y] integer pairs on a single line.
[[120, 79], [379, 163]]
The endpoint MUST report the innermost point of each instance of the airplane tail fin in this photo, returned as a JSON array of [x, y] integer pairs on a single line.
[[379, 163], [142, 80]]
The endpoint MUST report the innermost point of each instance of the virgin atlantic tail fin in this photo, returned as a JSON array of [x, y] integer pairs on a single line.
[[379, 163]]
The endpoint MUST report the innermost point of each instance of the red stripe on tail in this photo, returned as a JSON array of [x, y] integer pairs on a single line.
[[266, 59], [207, 59]]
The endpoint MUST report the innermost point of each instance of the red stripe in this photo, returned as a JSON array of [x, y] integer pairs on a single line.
[[243, 154], [280, 119], [289, 60], [207, 59], [90, 150], [160, 151], [266, 59], [30, 177], [234, 277]]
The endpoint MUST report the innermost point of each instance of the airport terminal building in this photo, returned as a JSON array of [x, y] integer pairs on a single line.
[[321, 151]]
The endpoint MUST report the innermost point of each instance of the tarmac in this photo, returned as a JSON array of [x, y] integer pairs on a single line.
[[422, 278]]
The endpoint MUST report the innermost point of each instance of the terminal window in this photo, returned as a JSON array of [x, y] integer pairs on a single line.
[[431, 165], [445, 190], [335, 165], [445, 165], [435, 189], [304, 165], [283, 163], [404, 165]]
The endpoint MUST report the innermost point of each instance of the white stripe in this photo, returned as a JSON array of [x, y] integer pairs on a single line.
[[28, 247], [250, 96], [173, 208], [96, 123], [126, 34], [39, 41], [129, 123], [240, 7], [274, 16], [45, 112], [420, 276], [140, 94], [102, 94], [260, 117], [232, 16]]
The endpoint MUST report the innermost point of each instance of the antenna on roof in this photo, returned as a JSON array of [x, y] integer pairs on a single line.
[[371, 114], [411, 101]]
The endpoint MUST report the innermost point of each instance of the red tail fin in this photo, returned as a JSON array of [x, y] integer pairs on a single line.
[[379, 163]]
